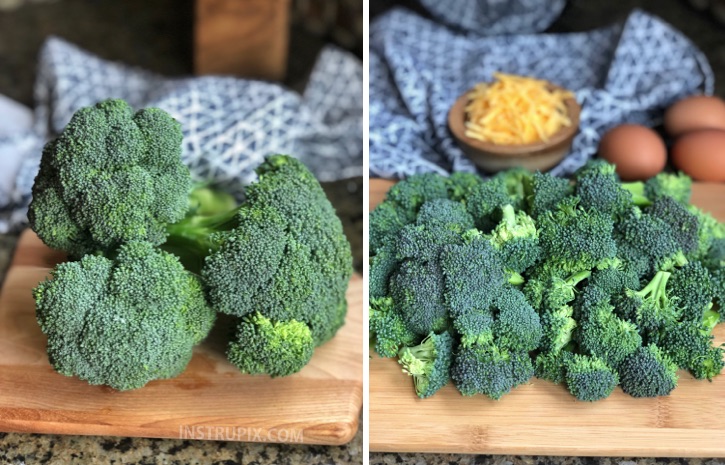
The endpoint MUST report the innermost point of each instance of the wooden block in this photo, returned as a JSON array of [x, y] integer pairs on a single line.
[[319, 405], [542, 418], [247, 38]]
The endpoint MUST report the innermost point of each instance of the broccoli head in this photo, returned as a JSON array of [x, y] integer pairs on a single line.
[[675, 185], [691, 286], [689, 344], [386, 220], [487, 369], [589, 378], [461, 184], [486, 201], [276, 348], [411, 193], [417, 291], [516, 239], [683, 224], [648, 372], [599, 188], [648, 236], [112, 176], [545, 192], [651, 307], [388, 328], [122, 322], [429, 363]]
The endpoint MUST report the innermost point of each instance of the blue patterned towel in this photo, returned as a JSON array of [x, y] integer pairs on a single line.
[[229, 124], [627, 72]]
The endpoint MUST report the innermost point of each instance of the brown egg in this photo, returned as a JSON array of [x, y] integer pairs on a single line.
[[638, 151], [701, 154], [693, 113]]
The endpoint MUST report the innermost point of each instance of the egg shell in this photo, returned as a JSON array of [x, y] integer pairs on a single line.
[[701, 155], [695, 113], [638, 151]]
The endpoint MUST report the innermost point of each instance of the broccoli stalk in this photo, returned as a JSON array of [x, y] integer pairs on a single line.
[[428, 363], [651, 307]]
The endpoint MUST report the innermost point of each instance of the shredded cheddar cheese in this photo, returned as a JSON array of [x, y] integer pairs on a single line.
[[515, 110]]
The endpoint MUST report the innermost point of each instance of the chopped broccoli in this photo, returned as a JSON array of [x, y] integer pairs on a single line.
[[689, 344], [678, 186], [382, 266], [648, 372], [683, 224], [517, 326], [709, 229], [411, 193], [386, 220], [650, 237], [112, 176], [651, 307], [545, 193], [486, 201], [486, 369], [388, 328], [589, 378], [461, 185], [576, 239], [122, 322], [558, 328], [599, 189], [517, 240], [429, 363], [276, 348], [551, 365], [691, 286], [517, 182], [614, 280], [417, 291]]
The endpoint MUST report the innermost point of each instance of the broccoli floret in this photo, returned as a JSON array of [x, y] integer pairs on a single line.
[[614, 280], [382, 266], [444, 213], [709, 229], [122, 322], [558, 328], [551, 365], [486, 201], [689, 344], [517, 182], [691, 286], [718, 291], [649, 236], [651, 307], [678, 186], [599, 189], [516, 239], [282, 253], [461, 185], [388, 328], [411, 193], [386, 220], [276, 348], [429, 363], [517, 326], [715, 257], [112, 176], [560, 291], [648, 372], [486, 369], [589, 378], [683, 224], [417, 291], [545, 193], [604, 335], [575, 238]]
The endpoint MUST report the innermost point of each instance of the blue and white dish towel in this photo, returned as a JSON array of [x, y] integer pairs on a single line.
[[627, 72]]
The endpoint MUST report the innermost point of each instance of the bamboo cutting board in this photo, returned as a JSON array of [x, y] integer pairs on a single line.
[[211, 400], [542, 418]]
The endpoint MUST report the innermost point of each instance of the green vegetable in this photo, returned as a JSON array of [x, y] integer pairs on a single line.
[[429, 363]]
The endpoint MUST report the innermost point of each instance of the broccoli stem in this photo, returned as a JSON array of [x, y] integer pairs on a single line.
[[710, 319], [656, 288], [637, 190], [515, 278], [576, 278]]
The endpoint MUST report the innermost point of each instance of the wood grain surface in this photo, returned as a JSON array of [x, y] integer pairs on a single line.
[[541, 418], [248, 38], [211, 400]]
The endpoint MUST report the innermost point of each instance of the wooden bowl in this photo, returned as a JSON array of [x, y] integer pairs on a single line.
[[494, 157]]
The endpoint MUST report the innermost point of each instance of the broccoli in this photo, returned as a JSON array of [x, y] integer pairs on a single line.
[[709, 229], [648, 372], [718, 291], [678, 186], [125, 321], [111, 177], [461, 185], [517, 240], [282, 253], [517, 326], [386, 220], [614, 280], [689, 344], [683, 224], [487, 369], [417, 291], [604, 335], [558, 328], [382, 266], [545, 192], [207, 201], [551, 365], [715, 257], [598, 187], [429, 363], [691, 286], [486, 201], [276, 348], [440, 222], [651, 307], [576, 239], [411, 193], [651, 237], [388, 328], [589, 378], [517, 182]]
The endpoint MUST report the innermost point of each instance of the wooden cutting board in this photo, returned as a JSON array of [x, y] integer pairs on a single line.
[[211, 400], [542, 418]]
